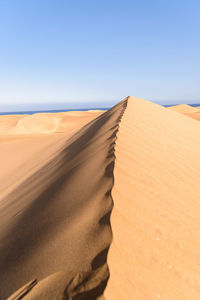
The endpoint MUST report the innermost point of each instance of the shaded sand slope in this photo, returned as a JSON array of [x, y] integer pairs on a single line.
[[195, 115], [155, 253], [55, 224]]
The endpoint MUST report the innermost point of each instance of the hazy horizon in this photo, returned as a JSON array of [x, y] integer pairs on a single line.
[[22, 107]]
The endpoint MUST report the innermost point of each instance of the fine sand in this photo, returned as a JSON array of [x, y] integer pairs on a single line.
[[187, 110], [91, 196], [55, 231], [156, 215]]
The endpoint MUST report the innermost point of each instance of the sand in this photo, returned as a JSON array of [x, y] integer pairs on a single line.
[[156, 216], [184, 108], [187, 110], [54, 220], [106, 207], [25, 149]]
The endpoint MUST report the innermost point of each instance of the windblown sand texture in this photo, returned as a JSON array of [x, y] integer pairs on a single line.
[[109, 193]]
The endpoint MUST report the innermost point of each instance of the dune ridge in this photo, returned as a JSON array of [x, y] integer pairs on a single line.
[[55, 231], [113, 214]]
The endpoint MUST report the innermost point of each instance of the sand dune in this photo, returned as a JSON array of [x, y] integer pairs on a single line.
[[195, 115], [187, 110], [45, 123], [23, 152], [56, 230], [184, 108], [54, 223], [156, 216]]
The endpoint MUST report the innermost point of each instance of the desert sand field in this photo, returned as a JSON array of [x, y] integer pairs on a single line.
[[101, 205]]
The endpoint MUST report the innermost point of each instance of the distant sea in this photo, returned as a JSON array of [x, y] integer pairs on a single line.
[[31, 112], [194, 105]]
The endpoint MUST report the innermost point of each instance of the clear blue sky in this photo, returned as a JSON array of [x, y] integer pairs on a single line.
[[96, 51]]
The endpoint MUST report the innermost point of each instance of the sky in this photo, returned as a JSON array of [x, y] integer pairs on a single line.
[[59, 52]]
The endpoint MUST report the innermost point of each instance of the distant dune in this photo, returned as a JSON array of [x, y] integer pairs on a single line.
[[45, 123], [101, 205], [187, 110], [184, 108]]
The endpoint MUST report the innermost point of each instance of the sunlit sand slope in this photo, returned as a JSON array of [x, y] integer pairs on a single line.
[[55, 231], [155, 253]]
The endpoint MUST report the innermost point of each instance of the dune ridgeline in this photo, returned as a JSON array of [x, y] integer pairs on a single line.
[[101, 205]]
